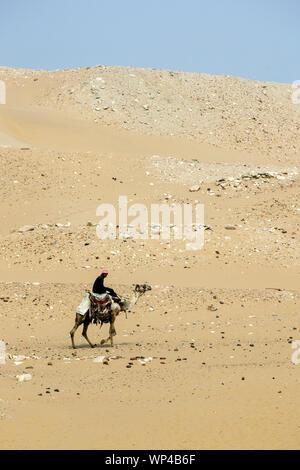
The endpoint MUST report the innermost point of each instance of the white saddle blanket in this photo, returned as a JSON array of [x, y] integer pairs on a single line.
[[84, 305]]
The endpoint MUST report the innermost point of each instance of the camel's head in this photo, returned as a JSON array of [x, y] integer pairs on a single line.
[[139, 289], [142, 288]]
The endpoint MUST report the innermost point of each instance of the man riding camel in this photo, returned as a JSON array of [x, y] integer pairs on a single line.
[[99, 288]]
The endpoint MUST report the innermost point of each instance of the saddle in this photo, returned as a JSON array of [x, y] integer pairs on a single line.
[[100, 310]]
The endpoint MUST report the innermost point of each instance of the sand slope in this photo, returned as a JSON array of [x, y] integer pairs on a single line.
[[230, 112]]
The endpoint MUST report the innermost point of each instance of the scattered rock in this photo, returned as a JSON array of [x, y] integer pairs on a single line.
[[26, 228], [99, 359], [24, 377], [194, 188], [212, 308]]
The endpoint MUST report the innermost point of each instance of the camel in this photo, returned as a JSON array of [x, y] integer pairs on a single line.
[[116, 308]]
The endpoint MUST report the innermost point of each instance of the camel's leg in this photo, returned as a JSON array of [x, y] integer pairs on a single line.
[[112, 332], [78, 321], [103, 341], [72, 332], [84, 332]]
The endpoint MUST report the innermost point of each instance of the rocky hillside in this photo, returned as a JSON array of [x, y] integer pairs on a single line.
[[230, 112]]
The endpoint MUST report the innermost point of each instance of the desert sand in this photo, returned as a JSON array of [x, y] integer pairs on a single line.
[[204, 359]]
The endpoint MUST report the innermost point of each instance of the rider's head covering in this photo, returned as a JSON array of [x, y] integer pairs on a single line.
[[104, 272]]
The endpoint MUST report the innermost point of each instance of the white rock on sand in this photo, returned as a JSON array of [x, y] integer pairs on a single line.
[[26, 228], [194, 188], [24, 377]]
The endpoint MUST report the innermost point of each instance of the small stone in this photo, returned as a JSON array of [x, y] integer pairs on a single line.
[[212, 308], [24, 377], [26, 228], [194, 188], [99, 359]]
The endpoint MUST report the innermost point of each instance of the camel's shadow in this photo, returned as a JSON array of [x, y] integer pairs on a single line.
[[87, 346], [101, 346]]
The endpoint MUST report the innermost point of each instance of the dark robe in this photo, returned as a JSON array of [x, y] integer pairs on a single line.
[[99, 288]]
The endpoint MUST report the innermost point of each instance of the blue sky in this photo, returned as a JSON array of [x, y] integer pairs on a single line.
[[255, 39]]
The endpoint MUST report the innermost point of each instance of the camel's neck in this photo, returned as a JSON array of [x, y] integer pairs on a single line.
[[133, 300]]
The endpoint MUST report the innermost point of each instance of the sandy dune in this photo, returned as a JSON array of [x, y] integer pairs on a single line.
[[218, 324]]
